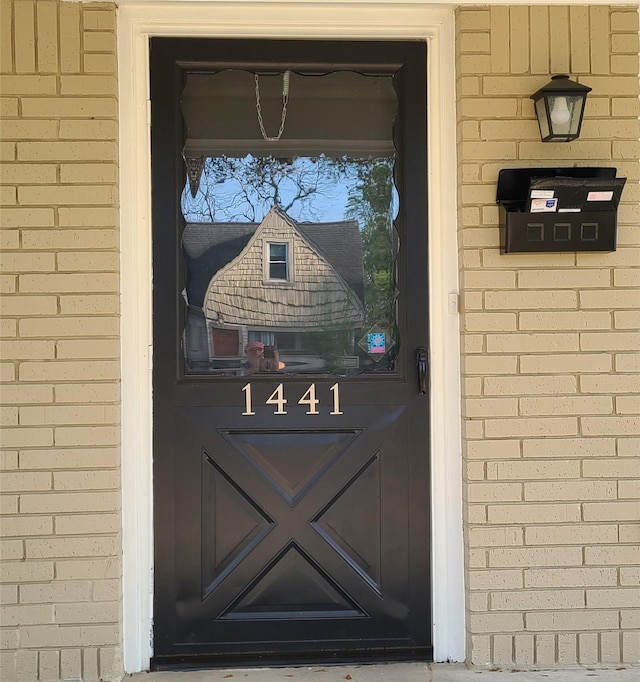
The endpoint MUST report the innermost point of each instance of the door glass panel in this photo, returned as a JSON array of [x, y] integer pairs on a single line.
[[289, 242]]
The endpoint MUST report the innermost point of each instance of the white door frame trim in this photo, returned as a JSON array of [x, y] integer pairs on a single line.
[[321, 19]]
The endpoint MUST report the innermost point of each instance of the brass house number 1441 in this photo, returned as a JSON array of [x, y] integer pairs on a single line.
[[277, 398]]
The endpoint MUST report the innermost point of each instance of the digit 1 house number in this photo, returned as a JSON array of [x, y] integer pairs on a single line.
[[277, 398]]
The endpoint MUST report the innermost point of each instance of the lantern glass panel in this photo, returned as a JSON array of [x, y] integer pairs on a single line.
[[565, 111], [541, 113]]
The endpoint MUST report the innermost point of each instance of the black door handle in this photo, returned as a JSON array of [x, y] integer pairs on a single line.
[[421, 362]]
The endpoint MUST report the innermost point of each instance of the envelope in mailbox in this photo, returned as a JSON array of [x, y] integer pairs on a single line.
[[576, 194]]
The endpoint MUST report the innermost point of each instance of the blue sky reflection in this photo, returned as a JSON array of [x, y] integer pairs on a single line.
[[309, 189]]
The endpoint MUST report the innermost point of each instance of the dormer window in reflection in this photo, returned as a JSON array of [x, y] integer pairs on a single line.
[[278, 262]]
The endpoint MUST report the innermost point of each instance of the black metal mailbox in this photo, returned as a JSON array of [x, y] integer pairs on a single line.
[[558, 209]]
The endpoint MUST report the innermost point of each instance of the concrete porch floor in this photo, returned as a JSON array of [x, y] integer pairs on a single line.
[[394, 672]]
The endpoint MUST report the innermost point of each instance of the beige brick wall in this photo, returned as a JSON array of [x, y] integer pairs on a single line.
[[550, 362], [60, 568]]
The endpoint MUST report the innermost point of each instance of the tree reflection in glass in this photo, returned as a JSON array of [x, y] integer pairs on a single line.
[[292, 259]]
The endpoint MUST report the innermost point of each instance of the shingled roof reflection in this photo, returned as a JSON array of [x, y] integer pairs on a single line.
[[208, 247]]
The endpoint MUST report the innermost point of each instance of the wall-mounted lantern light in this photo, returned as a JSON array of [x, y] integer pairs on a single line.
[[559, 108]]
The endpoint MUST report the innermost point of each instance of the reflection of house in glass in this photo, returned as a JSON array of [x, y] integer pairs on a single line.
[[296, 286]]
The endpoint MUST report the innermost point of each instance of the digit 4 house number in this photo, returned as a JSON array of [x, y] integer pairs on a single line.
[[278, 400]]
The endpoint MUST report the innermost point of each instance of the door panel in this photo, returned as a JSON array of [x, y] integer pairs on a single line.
[[291, 505]]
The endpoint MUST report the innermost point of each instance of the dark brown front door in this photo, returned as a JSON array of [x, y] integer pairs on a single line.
[[291, 417]]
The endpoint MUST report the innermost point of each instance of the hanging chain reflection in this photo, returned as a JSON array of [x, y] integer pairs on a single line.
[[285, 99]]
